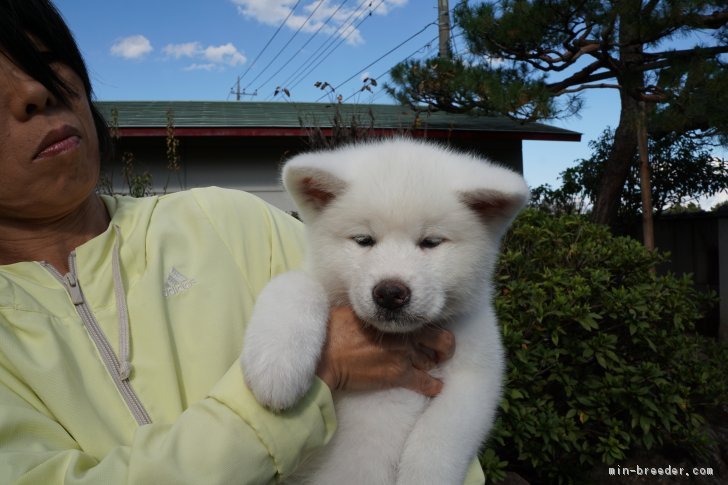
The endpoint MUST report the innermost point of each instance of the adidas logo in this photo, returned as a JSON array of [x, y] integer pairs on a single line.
[[177, 283]]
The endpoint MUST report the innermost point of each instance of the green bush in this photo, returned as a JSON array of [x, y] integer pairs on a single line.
[[602, 358]]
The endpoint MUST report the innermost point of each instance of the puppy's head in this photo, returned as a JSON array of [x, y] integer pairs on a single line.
[[405, 232]]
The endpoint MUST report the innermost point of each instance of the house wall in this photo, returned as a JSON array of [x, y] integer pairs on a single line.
[[249, 164], [506, 152]]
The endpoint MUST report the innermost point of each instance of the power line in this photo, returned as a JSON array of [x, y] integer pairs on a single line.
[[267, 43], [341, 41], [334, 40], [427, 47], [424, 48], [280, 51], [382, 56], [286, 63], [327, 43]]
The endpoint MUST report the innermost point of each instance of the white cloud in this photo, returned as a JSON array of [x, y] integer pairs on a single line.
[[273, 12], [215, 56], [189, 49], [389, 5], [200, 67], [224, 54], [265, 11], [132, 47]]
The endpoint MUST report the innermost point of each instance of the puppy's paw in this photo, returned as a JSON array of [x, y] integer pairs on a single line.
[[284, 339], [276, 383]]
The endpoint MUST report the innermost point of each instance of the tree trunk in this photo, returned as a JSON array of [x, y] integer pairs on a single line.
[[618, 163], [631, 81]]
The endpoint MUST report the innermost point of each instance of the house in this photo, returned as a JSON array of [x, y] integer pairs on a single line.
[[242, 144]]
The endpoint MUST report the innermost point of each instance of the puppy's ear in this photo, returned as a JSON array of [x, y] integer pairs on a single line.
[[494, 208], [312, 188]]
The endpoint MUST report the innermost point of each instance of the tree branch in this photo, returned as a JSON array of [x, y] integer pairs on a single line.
[[650, 7], [550, 60], [668, 58], [588, 86], [687, 53], [715, 20], [586, 75]]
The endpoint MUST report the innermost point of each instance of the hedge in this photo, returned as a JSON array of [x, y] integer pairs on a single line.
[[603, 360]]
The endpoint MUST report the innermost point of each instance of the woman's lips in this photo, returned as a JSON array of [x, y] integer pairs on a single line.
[[58, 141]]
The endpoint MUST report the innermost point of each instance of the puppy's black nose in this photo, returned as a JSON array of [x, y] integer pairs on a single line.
[[391, 294]]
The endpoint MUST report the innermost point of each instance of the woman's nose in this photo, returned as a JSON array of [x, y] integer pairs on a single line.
[[30, 97]]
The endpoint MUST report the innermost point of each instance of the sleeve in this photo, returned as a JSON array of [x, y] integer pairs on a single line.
[[223, 439], [475, 474], [263, 240]]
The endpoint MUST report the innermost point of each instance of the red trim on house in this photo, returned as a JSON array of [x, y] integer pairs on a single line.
[[300, 132]]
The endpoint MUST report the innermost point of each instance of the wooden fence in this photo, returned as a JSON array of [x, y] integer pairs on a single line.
[[698, 244]]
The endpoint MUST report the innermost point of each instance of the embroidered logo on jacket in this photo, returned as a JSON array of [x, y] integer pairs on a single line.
[[177, 283]]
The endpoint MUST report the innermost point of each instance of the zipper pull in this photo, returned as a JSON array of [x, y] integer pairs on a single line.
[[73, 289], [125, 369]]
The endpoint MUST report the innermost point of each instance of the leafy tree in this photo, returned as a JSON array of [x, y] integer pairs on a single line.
[[533, 59], [683, 170]]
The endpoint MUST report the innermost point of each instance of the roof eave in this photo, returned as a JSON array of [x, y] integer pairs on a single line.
[[283, 132]]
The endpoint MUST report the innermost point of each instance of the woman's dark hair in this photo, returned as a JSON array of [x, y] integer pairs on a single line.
[[26, 23]]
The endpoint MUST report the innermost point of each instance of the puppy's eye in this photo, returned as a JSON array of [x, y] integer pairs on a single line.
[[431, 242], [364, 240]]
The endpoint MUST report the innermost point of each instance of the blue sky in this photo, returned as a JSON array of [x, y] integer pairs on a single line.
[[195, 50]]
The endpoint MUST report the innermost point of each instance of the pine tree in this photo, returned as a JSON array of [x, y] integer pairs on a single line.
[[534, 59]]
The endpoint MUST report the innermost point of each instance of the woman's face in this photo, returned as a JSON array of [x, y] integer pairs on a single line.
[[49, 153]]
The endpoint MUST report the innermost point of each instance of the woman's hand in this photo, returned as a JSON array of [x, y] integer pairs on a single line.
[[360, 358]]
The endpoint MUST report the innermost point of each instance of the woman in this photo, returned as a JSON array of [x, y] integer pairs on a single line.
[[121, 319]]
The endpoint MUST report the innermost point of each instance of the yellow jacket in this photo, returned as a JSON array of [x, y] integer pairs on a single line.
[[89, 394]]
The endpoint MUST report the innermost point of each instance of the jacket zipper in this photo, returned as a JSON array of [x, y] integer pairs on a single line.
[[72, 285]]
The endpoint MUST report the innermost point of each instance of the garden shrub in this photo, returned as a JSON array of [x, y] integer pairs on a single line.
[[602, 356]]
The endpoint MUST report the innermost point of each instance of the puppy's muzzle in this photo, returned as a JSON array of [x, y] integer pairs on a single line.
[[391, 294]]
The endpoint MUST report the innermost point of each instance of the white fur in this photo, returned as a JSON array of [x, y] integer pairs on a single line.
[[398, 192]]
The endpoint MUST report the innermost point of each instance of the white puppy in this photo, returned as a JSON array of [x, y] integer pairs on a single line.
[[406, 233]]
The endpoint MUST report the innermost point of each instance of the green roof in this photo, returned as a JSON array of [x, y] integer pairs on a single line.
[[289, 115]]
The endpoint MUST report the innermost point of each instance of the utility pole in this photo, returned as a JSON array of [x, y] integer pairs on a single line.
[[237, 92], [443, 20]]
